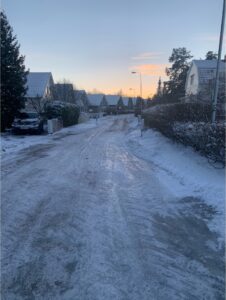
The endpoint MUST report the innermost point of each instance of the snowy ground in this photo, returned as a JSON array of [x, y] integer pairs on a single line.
[[183, 171], [12, 144], [98, 212]]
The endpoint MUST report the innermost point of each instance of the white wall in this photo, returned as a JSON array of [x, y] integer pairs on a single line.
[[191, 88]]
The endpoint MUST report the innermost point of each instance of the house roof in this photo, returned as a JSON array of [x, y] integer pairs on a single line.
[[208, 64], [37, 83], [81, 98], [95, 99], [206, 71], [78, 98]]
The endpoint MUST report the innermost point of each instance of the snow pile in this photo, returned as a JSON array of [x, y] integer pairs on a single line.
[[182, 170], [12, 144]]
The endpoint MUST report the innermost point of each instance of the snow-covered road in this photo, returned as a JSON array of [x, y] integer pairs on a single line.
[[85, 217]]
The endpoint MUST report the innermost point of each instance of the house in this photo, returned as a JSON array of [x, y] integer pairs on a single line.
[[109, 104], [104, 104], [200, 80], [81, 100], [64, 92], [39, 90], [94, 104]]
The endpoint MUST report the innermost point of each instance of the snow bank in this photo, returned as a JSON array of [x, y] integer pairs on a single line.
[[182, 170], [12, 144]]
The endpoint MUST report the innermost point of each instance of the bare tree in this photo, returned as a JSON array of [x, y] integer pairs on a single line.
[[38, 104]]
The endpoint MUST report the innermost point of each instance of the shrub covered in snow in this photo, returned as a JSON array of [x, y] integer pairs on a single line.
[[189, 123], [68, 113], [181, 112], [207, 138]]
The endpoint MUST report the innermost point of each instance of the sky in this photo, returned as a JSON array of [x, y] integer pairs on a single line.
[[96, 44]]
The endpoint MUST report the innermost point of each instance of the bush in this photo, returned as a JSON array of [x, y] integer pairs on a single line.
[[68, 113], [207, 138], [166, 115], [70, 116], [189, 123]]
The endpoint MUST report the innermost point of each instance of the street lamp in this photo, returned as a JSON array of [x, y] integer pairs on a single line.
[[134, 72]]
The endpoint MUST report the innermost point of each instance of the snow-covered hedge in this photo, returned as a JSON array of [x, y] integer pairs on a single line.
[[207, 138], [189, 124], [68, 113]]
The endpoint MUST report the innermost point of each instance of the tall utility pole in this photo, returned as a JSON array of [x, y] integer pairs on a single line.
[[140, 82], [216, 86], [141, 86]]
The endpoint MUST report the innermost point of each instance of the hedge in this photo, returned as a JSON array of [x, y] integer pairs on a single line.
[[68, 113], [189, 123]]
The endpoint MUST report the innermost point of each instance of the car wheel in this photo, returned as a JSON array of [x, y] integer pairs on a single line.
[[40, 128], [15, 131]]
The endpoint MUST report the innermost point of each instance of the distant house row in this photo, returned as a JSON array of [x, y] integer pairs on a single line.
[[41, 88], [199, 86], [110, 103]]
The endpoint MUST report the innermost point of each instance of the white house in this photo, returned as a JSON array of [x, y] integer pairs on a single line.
[[39, 89], [200, 79]]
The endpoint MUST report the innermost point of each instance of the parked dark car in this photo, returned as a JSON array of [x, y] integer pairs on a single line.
[[29, 122]]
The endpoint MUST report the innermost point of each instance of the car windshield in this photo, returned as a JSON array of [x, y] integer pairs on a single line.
[[27, 115]]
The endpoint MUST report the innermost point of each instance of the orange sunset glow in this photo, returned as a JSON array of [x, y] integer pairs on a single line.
[[128, 84]]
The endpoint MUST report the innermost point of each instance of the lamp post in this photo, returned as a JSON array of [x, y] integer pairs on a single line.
[[134, 72], [141, 106], [216, 87]]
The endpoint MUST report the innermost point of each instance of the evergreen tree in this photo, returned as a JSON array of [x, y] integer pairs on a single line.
[[175, 87], [120, 104], [159, 89], [130, 103], [210, 55], [13, 74], [104, 101], [139, 103]]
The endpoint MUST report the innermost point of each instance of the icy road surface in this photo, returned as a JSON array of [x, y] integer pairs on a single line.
[[85, 217]]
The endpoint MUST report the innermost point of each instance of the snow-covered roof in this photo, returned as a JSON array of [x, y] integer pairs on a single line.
[[113, 99], [208, 64], [78, 96], [37, 83], [95, 99]]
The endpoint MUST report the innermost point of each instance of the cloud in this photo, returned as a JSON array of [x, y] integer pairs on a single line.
[[147, 56], [150, 69]]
